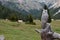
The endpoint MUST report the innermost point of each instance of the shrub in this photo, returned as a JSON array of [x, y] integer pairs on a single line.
[[13, 17], [30, 20]]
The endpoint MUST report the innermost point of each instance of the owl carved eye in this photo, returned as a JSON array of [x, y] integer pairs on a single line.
[[44, 11]]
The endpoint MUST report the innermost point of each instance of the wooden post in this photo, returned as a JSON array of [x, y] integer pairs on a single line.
[[46, 34]]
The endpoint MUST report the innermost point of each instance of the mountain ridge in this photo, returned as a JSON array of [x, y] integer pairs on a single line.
[[26, 7]]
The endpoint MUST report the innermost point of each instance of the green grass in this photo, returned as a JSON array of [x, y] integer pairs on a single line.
[[22, 31]]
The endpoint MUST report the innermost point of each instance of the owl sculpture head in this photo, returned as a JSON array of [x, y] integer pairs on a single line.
[[46, 8]]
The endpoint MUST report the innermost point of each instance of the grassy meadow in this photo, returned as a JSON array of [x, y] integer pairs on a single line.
[[22, 31]]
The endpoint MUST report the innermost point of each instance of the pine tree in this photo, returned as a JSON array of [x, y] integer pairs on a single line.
[[30, 18]]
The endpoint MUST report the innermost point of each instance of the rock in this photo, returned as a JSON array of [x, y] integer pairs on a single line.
[[6, 19], [52, 19], [2, 37], [56, 35], [20, 21]]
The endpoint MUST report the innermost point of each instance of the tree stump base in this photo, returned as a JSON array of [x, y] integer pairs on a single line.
[[48, 35]]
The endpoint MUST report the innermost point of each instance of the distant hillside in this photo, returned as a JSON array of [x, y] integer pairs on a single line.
[[8, 8], [26, 6], [53, 11], [6, 12]]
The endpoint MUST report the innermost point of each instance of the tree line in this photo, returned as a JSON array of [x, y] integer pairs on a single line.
[[6, 13]]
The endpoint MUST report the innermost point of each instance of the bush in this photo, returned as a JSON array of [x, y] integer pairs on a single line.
[[13, 17], [30, 19]]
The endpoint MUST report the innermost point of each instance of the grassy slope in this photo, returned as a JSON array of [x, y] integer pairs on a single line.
[[22, 31]]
